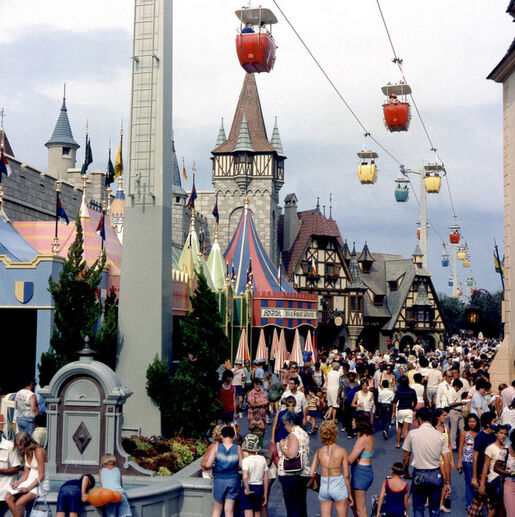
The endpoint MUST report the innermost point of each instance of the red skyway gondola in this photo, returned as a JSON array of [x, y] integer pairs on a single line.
[[256, 48], [396, 113]]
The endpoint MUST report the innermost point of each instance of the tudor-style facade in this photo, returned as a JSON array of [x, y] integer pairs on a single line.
[[401, 305], [313, 260]]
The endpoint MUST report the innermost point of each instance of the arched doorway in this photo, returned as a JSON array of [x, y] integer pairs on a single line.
[[429, 343], [406, 342]]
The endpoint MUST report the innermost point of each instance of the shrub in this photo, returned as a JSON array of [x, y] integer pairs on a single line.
[[165, 457]]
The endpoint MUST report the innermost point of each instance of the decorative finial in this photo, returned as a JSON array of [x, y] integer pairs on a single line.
[[246, 202], [323, 209], [84, 212], [109, 191], [64, 92], [330, 206], [87, 353]]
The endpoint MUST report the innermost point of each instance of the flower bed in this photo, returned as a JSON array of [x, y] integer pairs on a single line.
[[165, 457]]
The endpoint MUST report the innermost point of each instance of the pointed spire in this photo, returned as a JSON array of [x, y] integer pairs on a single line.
[[356, 284], [276, 141], [243, 143], [177, 189], [346, 252], [84, 212], [62, 134], [249, 104], [221, 134], [365, 255]]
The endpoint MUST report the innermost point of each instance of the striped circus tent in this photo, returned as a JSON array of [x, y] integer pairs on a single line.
[[296, 351], [310, 347], [275, 345], [262, 350], [281, 354], [243, 347]]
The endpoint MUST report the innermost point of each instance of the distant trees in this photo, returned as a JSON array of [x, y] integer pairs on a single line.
[[489, 305]]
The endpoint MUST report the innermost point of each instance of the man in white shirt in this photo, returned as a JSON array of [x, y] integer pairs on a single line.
[[10, 466], [434, 376], [456, 420], [444, 391], [301, 405]]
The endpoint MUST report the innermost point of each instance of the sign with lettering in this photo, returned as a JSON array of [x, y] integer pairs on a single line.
[[286, 313]]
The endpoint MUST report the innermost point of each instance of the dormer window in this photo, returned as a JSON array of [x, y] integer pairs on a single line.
[[393, 285], [378, 299], [243, 158], [66, 151]]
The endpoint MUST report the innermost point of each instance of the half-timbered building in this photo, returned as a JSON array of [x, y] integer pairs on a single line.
[[313, 259], [400, 305]]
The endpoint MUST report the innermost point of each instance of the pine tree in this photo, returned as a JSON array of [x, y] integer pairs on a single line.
[[189, 398], [77, 307], [107, 335]]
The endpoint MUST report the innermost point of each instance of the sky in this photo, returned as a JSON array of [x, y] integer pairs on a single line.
[[447, 48]]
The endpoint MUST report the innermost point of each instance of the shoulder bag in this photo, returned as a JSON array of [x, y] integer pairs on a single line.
[[45, 510], [293, 465]]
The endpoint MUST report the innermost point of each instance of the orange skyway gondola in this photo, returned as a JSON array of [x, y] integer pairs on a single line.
[[256, 50], [396, 113]]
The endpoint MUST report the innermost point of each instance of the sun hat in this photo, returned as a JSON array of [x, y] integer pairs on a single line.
[[251, 443]]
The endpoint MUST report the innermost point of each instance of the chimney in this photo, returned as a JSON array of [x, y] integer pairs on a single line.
[[292, 222]]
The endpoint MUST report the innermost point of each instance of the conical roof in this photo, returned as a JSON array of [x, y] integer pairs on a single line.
[[118, 204], [177, 189], [346, 252], [365, 255], [276, 141], [421, 298], [249, 104], [216, 266], [356, 283], [191, 259], [246, 246], [221, 138], [62, 134], [417, 252], [243, 143]]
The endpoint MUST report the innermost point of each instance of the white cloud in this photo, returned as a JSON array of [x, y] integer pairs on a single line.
[[20, 17]]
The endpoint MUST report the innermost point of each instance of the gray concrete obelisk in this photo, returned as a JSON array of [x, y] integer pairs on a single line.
[[146, 277]]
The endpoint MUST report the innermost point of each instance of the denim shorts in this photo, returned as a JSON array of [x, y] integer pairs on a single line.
[[225, 488], [361, 477], [332, 489]]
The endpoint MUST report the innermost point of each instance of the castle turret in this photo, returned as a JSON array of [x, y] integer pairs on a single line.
[[61, 147], [246, 162]]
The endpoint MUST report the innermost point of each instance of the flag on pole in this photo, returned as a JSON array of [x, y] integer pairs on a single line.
[[118, 163], [313, 267], [101, 230], [4, 165], [59, 211], [88, 157], [184, 173], [110, 174], [215, 211], [193, 196]]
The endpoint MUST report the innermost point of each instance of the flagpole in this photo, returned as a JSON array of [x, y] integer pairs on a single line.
[[499, 262], [55, 245]]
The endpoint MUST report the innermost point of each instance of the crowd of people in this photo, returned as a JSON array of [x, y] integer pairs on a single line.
[[23, 466], [439, 406]]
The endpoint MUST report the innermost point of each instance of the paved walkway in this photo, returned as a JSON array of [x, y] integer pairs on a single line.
[[385, 455]]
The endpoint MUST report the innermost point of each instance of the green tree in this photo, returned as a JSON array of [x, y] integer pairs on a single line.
[[77, 308], [454, 313], [188, 399], [107, 335]]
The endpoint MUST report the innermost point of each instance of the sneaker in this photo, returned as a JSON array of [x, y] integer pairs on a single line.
[[240, 415], [385, 435]]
